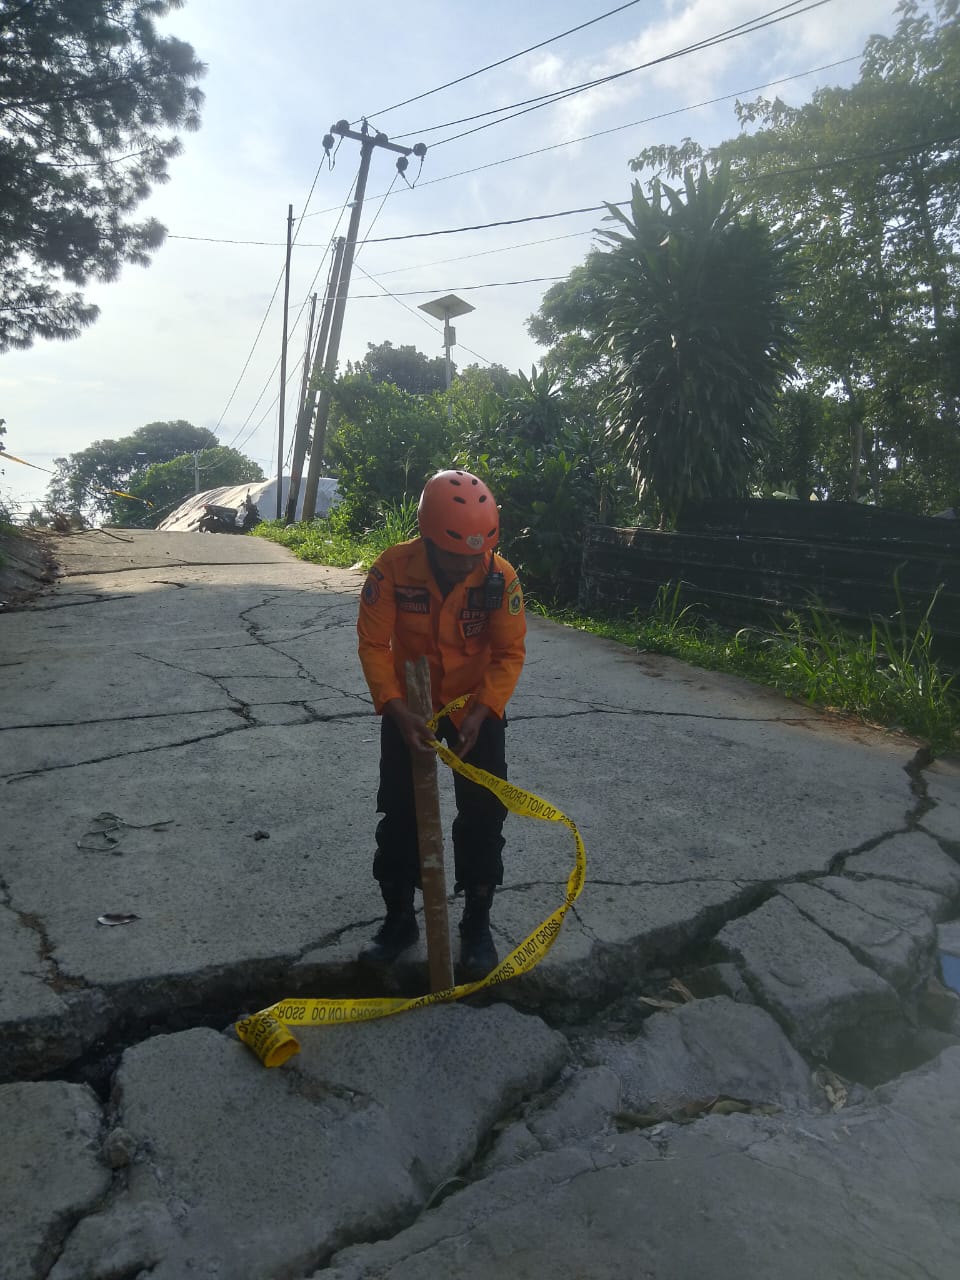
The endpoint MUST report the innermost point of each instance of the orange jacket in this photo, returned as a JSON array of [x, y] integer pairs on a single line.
[[471, 649]]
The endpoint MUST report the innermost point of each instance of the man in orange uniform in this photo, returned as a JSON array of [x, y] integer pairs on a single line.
[[445, 595]]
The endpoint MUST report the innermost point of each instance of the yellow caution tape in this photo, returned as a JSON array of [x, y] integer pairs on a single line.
[[11, 457], [266, 1032], [122, 493], [117, 493]]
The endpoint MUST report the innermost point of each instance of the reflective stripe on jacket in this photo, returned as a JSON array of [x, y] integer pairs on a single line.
[[471, 649]]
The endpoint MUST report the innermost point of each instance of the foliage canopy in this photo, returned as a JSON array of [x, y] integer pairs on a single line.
[[699, 338], [91, 96], [84, 480]]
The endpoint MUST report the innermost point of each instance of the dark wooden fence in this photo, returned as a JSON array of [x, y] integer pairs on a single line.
[[754, 561]]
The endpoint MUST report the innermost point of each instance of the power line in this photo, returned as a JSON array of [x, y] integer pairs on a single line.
[[456, 288], [388, 294], [276, 287], [502, 222], [633, 124], [296, 321], [588, 137], [851, 160], [502, 62], [373, 220], [246, 363], [486, 253], [416, 312], [771, 18], [397, 298], [480, 226], [734, 34]]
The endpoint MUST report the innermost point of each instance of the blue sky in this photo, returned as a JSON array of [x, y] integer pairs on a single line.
[[173, 339]]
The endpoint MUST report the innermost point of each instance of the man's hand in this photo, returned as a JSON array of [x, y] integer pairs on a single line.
[[413, 728], [470, 728]]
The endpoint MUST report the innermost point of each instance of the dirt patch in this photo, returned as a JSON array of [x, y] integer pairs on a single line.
[[27, 566]]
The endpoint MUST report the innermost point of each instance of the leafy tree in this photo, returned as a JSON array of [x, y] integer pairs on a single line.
[[164, 485], [793, 460], [552, 475], [568, 322], [867, 181], [405, 367], [383, 443], [90, 97], [474, 405], [84, 480], [698, 334]]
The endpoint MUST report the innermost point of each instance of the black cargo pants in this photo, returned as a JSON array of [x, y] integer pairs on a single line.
[[477, 839]]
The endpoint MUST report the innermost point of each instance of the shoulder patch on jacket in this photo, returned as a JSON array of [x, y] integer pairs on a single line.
[[515, 602], [371, 588]]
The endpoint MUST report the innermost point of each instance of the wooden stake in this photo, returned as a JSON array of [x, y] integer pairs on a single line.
[[427, 799]]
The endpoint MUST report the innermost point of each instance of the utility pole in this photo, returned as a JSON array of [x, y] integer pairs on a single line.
[[308, 348], [310, 400], [301, 405], [368, 143], [196, 471], [283, 355]]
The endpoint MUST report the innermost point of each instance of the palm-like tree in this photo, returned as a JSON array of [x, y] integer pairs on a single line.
[[699, 336]]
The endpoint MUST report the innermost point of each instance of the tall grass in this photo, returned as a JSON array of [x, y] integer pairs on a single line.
[[887, 675]]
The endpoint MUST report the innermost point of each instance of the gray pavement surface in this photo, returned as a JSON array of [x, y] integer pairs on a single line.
[[738, 1058]]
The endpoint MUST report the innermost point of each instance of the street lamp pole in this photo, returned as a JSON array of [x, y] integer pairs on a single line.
[[445, 309]]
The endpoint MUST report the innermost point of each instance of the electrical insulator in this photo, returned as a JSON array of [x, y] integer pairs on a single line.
[[327, 141], [402, 163], [341, 126], [419, 150]]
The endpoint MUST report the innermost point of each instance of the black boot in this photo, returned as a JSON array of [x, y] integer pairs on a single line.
[[478, 955], [399, 929]]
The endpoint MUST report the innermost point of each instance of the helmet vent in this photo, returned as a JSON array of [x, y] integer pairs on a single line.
[[483, 497], [452, 533], [462, 501]]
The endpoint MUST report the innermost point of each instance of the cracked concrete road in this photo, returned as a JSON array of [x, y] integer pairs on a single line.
[[206, 691]]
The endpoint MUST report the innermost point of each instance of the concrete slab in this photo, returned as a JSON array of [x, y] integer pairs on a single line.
[[942, 819], [867, 1194], [901, 951], [51, 1172], [810, 982], [912, 858], [906, 906], [245, 1172], [704, 1050]]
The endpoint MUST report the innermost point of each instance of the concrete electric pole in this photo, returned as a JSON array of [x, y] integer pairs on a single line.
[[283, 356], [310, 400], [368, 144]]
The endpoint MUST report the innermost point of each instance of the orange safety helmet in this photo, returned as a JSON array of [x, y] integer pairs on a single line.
[[458, 513]]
